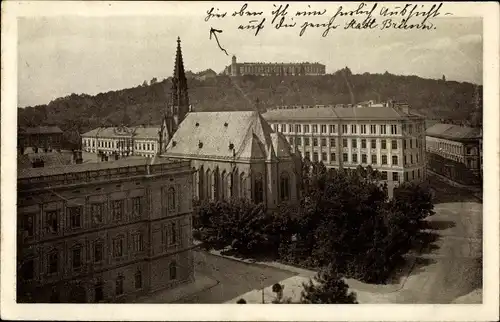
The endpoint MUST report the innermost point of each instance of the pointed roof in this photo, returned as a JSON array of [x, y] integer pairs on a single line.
[[179, 73]]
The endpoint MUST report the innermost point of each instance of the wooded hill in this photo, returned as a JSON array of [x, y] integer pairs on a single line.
[[437, 99]]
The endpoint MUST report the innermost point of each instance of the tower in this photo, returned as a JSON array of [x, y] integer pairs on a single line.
[[234, 66], [179, 99]]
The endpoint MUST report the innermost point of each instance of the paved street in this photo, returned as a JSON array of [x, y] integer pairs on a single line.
[[235, 278], [452, 267]]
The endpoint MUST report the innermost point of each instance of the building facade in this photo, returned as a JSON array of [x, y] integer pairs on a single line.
[[40, 137], [455, 152], [103, 232], [389, 139], [274, 69], [140, 140]]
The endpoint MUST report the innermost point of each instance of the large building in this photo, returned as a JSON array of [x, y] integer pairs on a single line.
[[43, 137], [234, 154], [455, 152], [123, 140], [274, 69], [103, 232], [390, 139]]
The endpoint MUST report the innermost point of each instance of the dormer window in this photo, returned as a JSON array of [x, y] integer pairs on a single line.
[[225, 124], [231, 146], [197, 124], [200, 144], [174, 143]]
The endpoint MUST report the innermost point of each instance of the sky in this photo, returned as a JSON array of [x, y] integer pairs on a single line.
[[61, 55]]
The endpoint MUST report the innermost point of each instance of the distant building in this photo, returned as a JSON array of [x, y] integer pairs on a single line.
[[40, 137], [103, 232], [389, 139], [139, 140], [455, 152], [274, 69], [206, 74]]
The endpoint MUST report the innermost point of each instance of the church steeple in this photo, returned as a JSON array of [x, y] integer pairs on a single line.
[[179, 93]]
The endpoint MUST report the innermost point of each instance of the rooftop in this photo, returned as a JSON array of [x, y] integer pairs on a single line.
[[131, 161], [453, 132], [138, 132], [328, 113]]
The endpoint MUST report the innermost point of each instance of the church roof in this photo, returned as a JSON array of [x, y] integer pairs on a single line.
[[213, 134]]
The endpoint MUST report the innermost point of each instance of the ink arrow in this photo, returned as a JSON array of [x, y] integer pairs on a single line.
[[214, 32]]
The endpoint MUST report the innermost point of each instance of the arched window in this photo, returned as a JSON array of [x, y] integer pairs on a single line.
[[284, 186], [216, 182], [208, 185], [258, 189], [223, 185], [171, 199], [201, 184], [173, 270], [242, 185]]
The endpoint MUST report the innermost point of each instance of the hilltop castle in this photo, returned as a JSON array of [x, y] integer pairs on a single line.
[[273, 69]]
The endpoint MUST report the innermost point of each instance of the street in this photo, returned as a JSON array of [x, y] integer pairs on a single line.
[[452, 266], [235, 278]]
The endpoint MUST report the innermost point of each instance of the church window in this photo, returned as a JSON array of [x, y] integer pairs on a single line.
[[171, 199], [284, 186], [258, 189]]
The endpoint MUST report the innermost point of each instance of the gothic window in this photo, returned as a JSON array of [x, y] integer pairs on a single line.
[[284, 186], [171, 199], [258, 189], [118, 247], [137, 242], [242, 185], [173, 234]]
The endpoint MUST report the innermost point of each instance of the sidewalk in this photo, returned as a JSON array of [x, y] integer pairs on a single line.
[[477, 191], [201, 283]]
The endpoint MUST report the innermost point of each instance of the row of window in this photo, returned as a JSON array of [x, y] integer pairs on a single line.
[[332, 128], [170, 238], [354, 158], [354, 143], [119, 144], [451, 148], [51, 218]]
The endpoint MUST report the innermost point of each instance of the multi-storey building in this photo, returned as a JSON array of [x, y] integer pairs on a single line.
[[103, 232], [140, 140], [455, 152], [389, 139], [274, 69], [43, 137]]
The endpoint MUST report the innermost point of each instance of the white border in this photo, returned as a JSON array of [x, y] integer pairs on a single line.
[[392, 312]]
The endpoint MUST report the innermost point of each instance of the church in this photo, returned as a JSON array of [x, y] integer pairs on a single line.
[[234, 154]]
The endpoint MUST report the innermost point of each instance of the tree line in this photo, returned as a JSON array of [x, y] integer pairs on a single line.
[[145, 104]]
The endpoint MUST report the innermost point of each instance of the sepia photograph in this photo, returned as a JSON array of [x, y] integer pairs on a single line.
[[250, 153]]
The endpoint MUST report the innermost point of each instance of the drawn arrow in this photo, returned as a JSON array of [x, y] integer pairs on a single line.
[[214, 31]]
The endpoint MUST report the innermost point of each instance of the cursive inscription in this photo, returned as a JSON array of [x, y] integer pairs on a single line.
[[317, 19]]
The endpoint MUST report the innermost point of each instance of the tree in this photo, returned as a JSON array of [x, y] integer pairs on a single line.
[[327, 287]]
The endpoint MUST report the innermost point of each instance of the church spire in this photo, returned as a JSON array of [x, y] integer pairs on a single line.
[[180, 99]]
